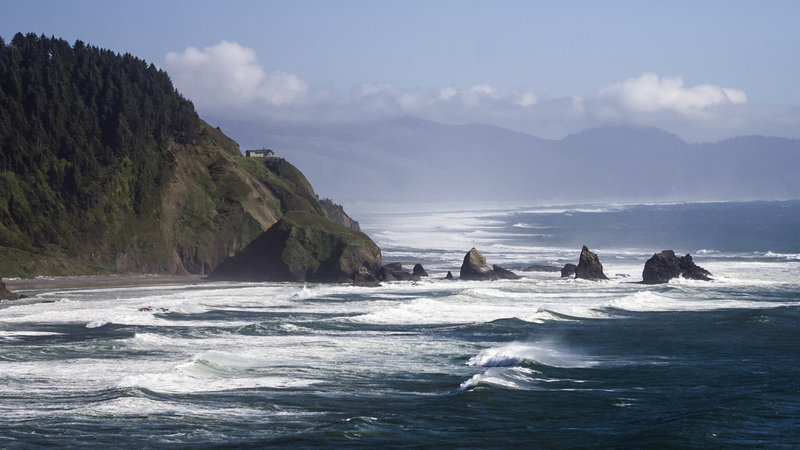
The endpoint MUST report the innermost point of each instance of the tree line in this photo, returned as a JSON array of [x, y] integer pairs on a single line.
[[85, 139]]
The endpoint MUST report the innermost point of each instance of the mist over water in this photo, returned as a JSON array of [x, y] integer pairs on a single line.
[[541, 361]]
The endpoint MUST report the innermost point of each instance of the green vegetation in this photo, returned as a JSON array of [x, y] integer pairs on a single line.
[[105, 167], [304, 246]]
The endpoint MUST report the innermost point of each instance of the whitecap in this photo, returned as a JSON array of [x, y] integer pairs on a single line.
[[180, 382], [517, 378], [97, 323], [23, 333], [546, 353]]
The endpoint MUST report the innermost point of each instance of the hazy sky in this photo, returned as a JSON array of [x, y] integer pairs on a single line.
[[702, 69]]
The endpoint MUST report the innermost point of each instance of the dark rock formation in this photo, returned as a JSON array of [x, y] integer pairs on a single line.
[[505, 274], [449, 275], [474, 267], [664, 266], [303, 246], [394, 272], [589, 267], [5, 294], [541, 268], [691, 270], [419, 270], [568, 270]]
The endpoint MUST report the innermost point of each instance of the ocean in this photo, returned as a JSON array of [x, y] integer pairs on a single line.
[[541, 362]]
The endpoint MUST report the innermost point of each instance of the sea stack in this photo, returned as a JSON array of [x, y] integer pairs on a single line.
[[589, 267], [5, 294], [664, 266], [419, 270], [474, 267]]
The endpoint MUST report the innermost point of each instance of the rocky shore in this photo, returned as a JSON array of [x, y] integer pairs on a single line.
[[660, 268]]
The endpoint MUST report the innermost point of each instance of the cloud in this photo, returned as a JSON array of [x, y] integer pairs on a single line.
[[227, 80], [648, 93], [229, 75]]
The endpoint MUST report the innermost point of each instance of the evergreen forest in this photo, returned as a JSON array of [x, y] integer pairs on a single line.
[[105, 167]]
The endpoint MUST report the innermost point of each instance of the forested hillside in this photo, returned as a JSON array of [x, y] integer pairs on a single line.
[[105, 167]]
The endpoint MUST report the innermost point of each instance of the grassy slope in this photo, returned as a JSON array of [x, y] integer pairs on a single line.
[[216, 203]]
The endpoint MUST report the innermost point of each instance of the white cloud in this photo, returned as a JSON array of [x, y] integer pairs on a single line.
[[525, 98], [227, 80], [648, 93], [229, 75]]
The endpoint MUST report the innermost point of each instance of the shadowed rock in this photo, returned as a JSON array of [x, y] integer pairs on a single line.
[[664, 266], [589, 267], [5, 294], [394, 272], [568, 270], [305, 247], [505, 274], [474, 267], [419, 270]]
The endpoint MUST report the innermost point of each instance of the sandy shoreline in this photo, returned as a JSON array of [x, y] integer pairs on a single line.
[[49, 283]]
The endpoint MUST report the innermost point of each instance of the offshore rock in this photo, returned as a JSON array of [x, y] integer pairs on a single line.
[[304, 246], [394, 272], [568, 270], [664, 266], [5, 294], [589, 267], [419, 270], [505, 274], [449, 275], [475, 268], [691, 270]]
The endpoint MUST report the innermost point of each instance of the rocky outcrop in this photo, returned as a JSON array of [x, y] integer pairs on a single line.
[[589, 267], [419, 270], [474, 267], [394, 272], [449, 275], [336, 213], [304, 246], [664, 266], [505, 274], [568, 270], [5, 294]]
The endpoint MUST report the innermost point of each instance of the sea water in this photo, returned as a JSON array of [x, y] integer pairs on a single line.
[[543, 361]]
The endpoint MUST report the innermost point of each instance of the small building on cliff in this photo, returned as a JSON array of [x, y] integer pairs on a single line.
[[263, 153]]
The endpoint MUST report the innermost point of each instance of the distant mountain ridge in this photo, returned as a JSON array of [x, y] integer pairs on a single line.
[[419, 160], [105, 167]]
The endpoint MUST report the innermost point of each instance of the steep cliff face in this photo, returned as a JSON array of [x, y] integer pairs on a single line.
[[104, 167], [303, 246]]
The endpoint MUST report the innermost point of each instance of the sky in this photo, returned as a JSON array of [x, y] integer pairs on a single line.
[[705, 70]]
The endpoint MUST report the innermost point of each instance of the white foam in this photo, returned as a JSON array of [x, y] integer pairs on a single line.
[[546, 353], [97, 323], [517, 378], [22, 333], [139, 406], [649, 301], [180, 382]]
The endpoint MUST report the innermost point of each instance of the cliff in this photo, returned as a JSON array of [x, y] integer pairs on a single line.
[[106, 168], [305, 247]]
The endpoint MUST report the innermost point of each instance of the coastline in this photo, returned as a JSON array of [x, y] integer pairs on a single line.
[[21, 285]]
